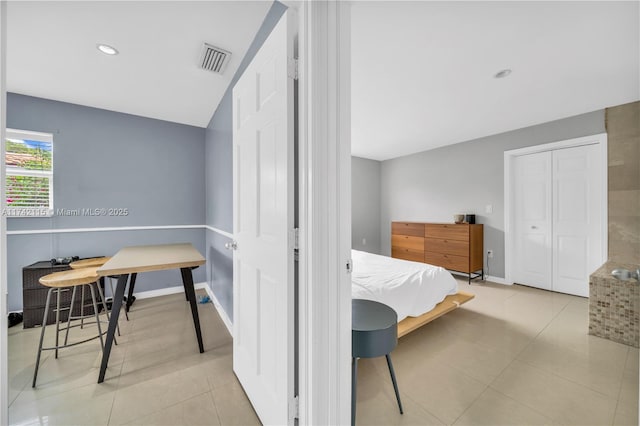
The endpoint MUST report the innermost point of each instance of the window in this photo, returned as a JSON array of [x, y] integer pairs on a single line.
[[29, 165]]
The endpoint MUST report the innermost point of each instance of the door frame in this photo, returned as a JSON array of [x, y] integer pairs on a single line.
[[324, 161], [4, 355], [509, 210]]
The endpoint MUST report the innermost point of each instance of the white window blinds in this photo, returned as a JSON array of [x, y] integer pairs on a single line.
[[29, 168]]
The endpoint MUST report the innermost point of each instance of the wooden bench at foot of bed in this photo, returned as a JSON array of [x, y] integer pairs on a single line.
[[449, 303]]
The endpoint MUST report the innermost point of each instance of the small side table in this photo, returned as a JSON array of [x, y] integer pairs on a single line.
[[374, 332]]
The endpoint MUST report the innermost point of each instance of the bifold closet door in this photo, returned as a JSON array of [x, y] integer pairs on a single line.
[[557, 218], [577, 218], [533, 220]]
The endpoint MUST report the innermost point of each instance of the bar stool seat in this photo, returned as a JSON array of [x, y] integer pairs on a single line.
[[62, 281], [374, 333]]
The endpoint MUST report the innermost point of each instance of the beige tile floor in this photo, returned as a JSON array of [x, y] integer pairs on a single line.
[[513, 356], [156, 375]]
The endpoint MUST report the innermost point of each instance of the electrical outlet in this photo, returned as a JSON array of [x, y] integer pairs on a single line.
[[364, 241], [490, 254]]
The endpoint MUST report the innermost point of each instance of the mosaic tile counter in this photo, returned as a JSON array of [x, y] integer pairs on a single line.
[[614, 305]]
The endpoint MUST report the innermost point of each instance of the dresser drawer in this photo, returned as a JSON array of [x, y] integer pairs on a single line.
[[448, 261], [408, 254], [407, 228], [406, 241], [447, 231], [446, 246]]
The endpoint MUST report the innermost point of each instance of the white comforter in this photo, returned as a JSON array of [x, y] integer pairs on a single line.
[[410, 288]]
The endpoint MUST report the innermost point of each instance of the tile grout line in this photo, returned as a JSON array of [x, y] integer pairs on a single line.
[[170, 406], [615, 411], [551, 373], [124, 359], [510, 363], [115, 392], [471, 404], [535, 410], [488, 386], [569, 349], [544, 371], [115, 387], [42, 362], [383, 377], [213, 401]]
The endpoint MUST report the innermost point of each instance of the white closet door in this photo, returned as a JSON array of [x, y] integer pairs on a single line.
[[577, 210], [533, 220]]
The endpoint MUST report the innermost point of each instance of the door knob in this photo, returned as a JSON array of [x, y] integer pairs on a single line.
[[233, 245], [534, 227]]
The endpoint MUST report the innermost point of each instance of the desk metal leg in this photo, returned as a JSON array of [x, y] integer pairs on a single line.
[[187, 281], [132, 284], [113, 321]]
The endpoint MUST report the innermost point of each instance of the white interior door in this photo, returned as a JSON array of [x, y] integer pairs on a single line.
[[577, 211], [263, 206], [532, 220]]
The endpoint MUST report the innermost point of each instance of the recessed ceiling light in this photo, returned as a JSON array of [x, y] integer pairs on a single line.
[[106, 49], [502, 74]]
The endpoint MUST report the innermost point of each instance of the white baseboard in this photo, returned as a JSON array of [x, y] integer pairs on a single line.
[[180, 289], [223, 314], [161, 291], [497, 280]]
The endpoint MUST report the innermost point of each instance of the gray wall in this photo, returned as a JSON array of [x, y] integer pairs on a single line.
[[434, 185], [219, 177], [365, 204], [153, 168]]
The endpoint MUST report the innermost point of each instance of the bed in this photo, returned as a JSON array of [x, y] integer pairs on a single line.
[[418, 292]]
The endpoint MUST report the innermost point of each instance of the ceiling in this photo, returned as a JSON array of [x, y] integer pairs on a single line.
[[422, 72], [51, 53]]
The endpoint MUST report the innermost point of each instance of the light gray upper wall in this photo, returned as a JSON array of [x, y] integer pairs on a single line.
[[365, 204], [219, 175], [434, 185], [102, 158], [108, 159]]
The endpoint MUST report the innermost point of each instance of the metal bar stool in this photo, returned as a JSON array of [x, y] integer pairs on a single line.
[[374, 332], [99, 261], [59, 282], [96, 262]]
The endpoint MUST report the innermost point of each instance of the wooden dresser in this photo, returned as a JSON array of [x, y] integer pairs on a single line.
[[458, 247]]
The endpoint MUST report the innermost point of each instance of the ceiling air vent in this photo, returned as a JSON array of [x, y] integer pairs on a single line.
[[214, 59]]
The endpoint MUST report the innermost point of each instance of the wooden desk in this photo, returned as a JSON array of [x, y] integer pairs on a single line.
[[132, 260]]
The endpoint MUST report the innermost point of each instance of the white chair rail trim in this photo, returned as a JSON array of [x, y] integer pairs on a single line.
[[116, 228]]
